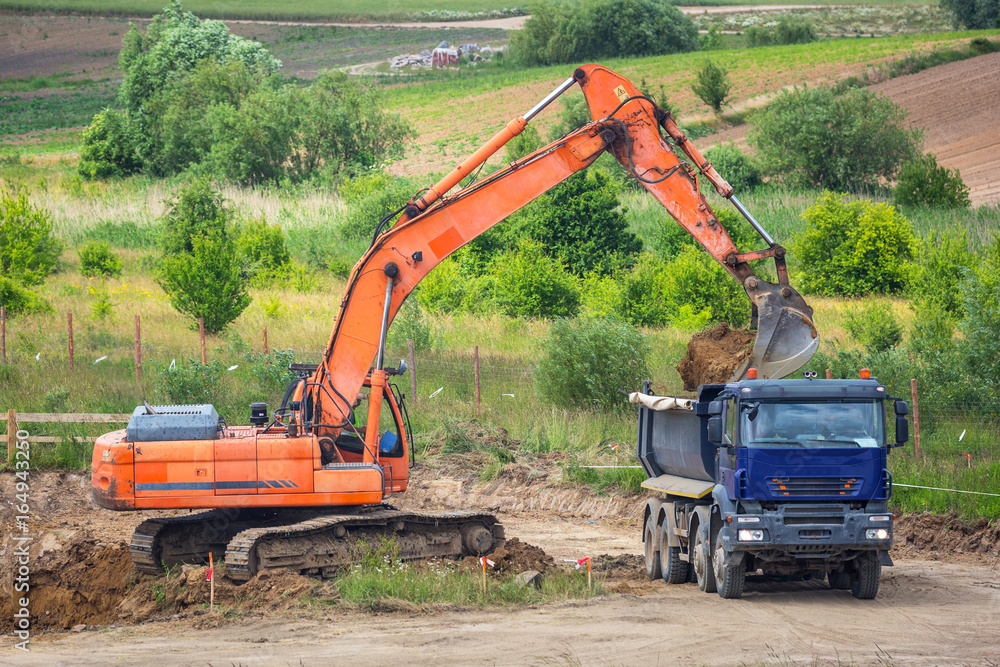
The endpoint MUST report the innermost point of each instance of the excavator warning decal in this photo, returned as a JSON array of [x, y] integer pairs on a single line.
[[620, 92]]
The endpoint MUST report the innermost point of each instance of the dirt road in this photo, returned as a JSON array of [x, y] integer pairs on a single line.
[[927, 613]]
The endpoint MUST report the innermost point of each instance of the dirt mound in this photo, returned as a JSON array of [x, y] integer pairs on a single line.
[[515, 557], [619, 564], [934, 536], [83, 582], [187, 589], [713, 355]]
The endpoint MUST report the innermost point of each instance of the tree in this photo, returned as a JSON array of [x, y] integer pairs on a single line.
[[577, 32], [528, 283], [206, 283], [739, 169], [28, 251], [844, 143], [201, 268], [922, 182], [712, 86], [581, 223], [973, 14], [109, 147]]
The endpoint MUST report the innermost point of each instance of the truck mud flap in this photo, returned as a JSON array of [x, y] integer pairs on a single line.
[[883, 557], [734, 557]]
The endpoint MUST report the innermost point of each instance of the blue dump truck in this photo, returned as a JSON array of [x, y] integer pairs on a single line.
[[785, 477]]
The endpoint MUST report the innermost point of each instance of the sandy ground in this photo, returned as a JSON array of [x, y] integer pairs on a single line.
[[927, 612]]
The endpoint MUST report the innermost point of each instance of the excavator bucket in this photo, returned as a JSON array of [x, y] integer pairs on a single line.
[[786, 336]]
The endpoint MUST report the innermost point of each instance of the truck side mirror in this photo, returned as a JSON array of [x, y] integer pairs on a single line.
[[715, 407], [715, 430], [901, 407], [902, 428]]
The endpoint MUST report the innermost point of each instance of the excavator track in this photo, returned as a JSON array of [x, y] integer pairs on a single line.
[[323, 545], [166, 541]]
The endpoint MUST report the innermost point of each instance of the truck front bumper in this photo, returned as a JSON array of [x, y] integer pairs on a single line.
[[815, 532]]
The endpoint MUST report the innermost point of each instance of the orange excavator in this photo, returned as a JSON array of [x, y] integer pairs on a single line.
[[305, 487]]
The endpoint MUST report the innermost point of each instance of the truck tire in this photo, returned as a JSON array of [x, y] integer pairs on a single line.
[[728, 580], [674, 570], [703, 560], [839, 581], [650, 541], [864, 583]]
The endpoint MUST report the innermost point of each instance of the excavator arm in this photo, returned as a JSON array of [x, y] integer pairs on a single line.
[[433, 225]]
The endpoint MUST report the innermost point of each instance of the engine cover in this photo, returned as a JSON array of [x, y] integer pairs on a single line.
[[173, 422]]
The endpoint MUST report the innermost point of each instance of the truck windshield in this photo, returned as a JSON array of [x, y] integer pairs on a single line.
[[858, 423]]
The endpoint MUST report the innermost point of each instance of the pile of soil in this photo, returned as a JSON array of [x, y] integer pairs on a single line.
[[84, 582], [713, 355], [935, 535], [515, 557]]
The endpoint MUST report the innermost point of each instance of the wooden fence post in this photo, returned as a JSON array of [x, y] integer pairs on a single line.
[[267, 351], [475, 363], [11, 433], [3, 334], [916, 417], [413, 370], [69, 326], [201, 332], [829, 374], [138, 352]]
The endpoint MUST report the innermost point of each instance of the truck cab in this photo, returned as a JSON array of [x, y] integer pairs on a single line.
[[785, 477]]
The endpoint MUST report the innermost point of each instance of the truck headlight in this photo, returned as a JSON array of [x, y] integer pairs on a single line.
[[876, 534], [751, 535]]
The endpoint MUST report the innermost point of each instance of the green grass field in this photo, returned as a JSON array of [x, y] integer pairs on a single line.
[[345, 10]]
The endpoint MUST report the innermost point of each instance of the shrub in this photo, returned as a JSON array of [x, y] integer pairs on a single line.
[[445, 288], [206, 283], [369, 198], [56, 399], [845, 143], [189, 382], [197, 210], [875, 326], [689, 291], [941, 260], [342, 122], [109, 147], [712, 85], [102, 306], [410, 324], [735, 166], [853, 247], [581, 224], [587, 362], [922, 182], [28, 251], [973, 14], [569, 32], [794, 32], [523, 144], [528, 283], [573, 114], [263, 247], [980, 290], [97, 259], [19, 300]]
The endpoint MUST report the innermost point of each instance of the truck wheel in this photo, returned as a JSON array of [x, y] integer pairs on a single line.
[[864, 583], [703, 561], [839, 581], [729, 580], [675, 571], [650, 540]]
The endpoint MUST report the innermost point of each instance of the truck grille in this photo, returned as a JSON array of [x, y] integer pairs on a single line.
[[815, 486]]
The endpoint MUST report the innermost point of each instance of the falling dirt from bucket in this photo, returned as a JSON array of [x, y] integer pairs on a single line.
[[713, 355]]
